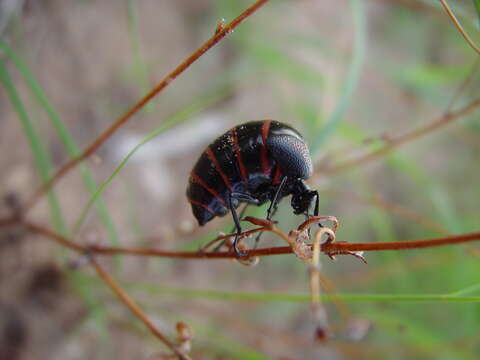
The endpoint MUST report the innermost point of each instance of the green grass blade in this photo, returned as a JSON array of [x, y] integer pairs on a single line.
[[425, 339], [83, 286], [303, 298], [447, 213], [468, 290], [45, 166], [477, 8], [38, 150], [64, 136], [353, 76]]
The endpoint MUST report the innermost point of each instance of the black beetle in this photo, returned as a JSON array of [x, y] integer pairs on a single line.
[[255, 162]]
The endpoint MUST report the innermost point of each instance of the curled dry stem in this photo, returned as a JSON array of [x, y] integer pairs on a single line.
[[319, 313], [316, 220]]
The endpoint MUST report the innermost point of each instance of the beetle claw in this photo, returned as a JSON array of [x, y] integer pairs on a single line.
[[237, 251], [357, 254]]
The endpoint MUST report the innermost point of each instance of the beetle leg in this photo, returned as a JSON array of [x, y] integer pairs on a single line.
[[315, 210], [272, 209], [237, 226], [276, 198], [244, 197], [317, 204], [216, 248], [249, 200]]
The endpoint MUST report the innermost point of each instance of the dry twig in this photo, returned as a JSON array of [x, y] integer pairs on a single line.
[[460, 27], [445, 119]]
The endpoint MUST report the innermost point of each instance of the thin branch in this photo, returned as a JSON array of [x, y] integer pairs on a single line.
[[332, 247], [403, 139], [8, 221], [402, 245], [60, 239], [220, 33], [459, 27], [135, 309]]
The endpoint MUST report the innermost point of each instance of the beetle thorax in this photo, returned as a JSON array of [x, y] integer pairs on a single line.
[[292, 155]]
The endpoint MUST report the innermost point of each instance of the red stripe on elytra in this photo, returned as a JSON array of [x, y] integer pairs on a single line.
[[213, 159], [199, 181], [236, 148], [194, 202], [263, 151], [277, 176]]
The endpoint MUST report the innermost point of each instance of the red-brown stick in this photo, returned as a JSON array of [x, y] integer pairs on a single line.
[[9, 221], [326, 248], [60, 239], [460, 27], [403, 245]]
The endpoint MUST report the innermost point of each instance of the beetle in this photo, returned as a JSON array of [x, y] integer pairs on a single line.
[[254, 162]]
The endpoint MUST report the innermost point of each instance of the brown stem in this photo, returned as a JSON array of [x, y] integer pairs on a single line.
[[402, 245], [401, 140], [60, 239], [134, 308], [89, 150], [100, 250], [331, 247], [8, 221], [459, 27], [190, 254]]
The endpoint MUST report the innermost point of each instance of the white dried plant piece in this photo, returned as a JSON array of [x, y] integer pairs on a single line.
[[358, 329], [249, 261], [297, 241], [185, 335]]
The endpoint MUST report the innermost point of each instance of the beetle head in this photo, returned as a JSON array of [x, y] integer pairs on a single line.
[[302, 198]]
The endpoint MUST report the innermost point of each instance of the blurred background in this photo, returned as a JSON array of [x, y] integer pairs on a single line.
[[349, 75]]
